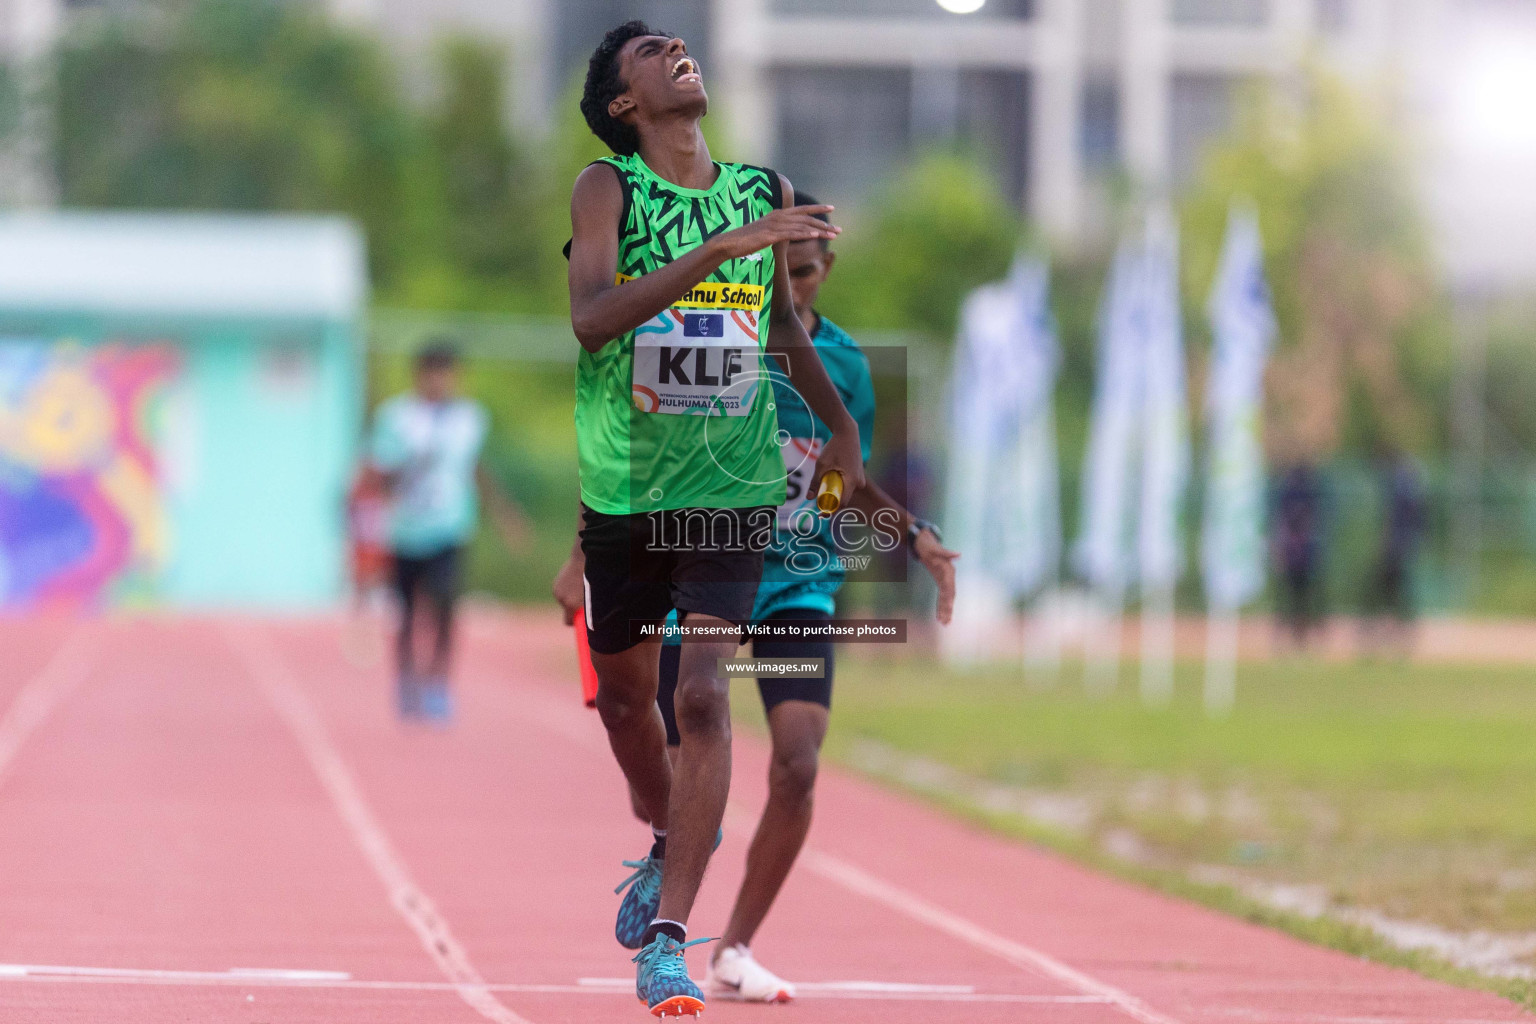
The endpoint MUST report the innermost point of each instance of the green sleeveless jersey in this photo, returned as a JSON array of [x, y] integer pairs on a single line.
[[679, 412]]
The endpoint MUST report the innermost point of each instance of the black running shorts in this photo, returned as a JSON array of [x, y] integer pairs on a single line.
[[641, 566], [437, 575], [774, 690]]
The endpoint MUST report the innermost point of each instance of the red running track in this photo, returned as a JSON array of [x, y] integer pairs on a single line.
[[219, 820]]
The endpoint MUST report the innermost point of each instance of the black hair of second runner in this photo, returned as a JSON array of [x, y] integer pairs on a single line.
[[806, 199], [438, 353]]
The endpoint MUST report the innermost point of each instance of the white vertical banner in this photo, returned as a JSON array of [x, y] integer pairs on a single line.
[[1027, 504], [980, 603], [1103, 552], [1035, 507], [1232, 543], [1165, 451], [1137, 463], [966, 478], [1003, 494]]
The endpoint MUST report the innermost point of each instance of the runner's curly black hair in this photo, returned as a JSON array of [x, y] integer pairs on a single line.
[[604, 83]]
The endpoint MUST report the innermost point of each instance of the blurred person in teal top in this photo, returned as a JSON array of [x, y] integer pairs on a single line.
[[426, 447], [801, 570]]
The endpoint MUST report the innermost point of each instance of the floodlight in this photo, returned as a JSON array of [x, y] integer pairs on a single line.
[[1494, 95]]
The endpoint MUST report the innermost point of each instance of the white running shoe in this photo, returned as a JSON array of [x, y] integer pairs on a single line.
[[734, 974]]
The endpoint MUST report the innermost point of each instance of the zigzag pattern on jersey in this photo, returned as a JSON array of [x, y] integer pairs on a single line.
[[663, 225]]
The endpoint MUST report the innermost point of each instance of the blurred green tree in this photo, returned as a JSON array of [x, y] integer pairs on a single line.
[[498, 247], [1364, 349], [480, 163], [10, 101], [938, 229], [1511, 383], [248, 106]]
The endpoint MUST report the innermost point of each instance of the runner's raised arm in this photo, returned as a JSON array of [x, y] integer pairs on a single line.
[[602, 309]]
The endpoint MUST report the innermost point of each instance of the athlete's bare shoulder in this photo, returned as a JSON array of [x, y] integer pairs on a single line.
[[597, 207], [597, 187], [786, 190]]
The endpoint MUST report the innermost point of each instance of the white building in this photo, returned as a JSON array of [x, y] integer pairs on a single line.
[[1058, 95]]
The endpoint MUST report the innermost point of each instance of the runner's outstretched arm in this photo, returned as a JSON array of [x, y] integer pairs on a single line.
[[510, 520], [602, 310], [935, 557], [788, 340]]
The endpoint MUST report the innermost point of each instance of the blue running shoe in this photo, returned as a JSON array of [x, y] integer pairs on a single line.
[[408, 695], [662, 981], [640, 904], [436, 701]]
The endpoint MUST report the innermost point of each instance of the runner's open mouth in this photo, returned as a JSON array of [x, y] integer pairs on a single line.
[[684, 68]]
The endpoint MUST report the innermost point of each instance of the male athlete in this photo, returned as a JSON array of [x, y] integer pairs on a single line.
[[426, 452], [678, 287], [801, 575]]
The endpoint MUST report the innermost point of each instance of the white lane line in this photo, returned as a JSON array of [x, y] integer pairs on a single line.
[[36, 700], [278, 977], [287, 974], [891, 987], [271, 674], [1263, 1017], [894, 990], [603, 987], [234, 974], [882, 986], [857, 880]]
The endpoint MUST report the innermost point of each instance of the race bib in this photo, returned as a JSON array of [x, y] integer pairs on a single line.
[[702, 356], [800, 456]]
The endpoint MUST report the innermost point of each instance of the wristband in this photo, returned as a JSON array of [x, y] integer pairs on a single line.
[[917, 527]]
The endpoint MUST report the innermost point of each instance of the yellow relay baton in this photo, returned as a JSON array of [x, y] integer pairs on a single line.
[[830, 494]]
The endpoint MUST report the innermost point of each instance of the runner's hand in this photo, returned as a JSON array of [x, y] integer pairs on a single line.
[[841, 452], [796, 224], [940, 563], [514, 533], [568, 590]]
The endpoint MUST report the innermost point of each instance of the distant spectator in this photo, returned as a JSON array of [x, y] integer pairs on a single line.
[[1389, 607], [1298, 553], [426, 447]]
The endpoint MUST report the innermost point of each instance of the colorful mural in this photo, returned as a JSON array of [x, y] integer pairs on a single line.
[[82, 520]]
